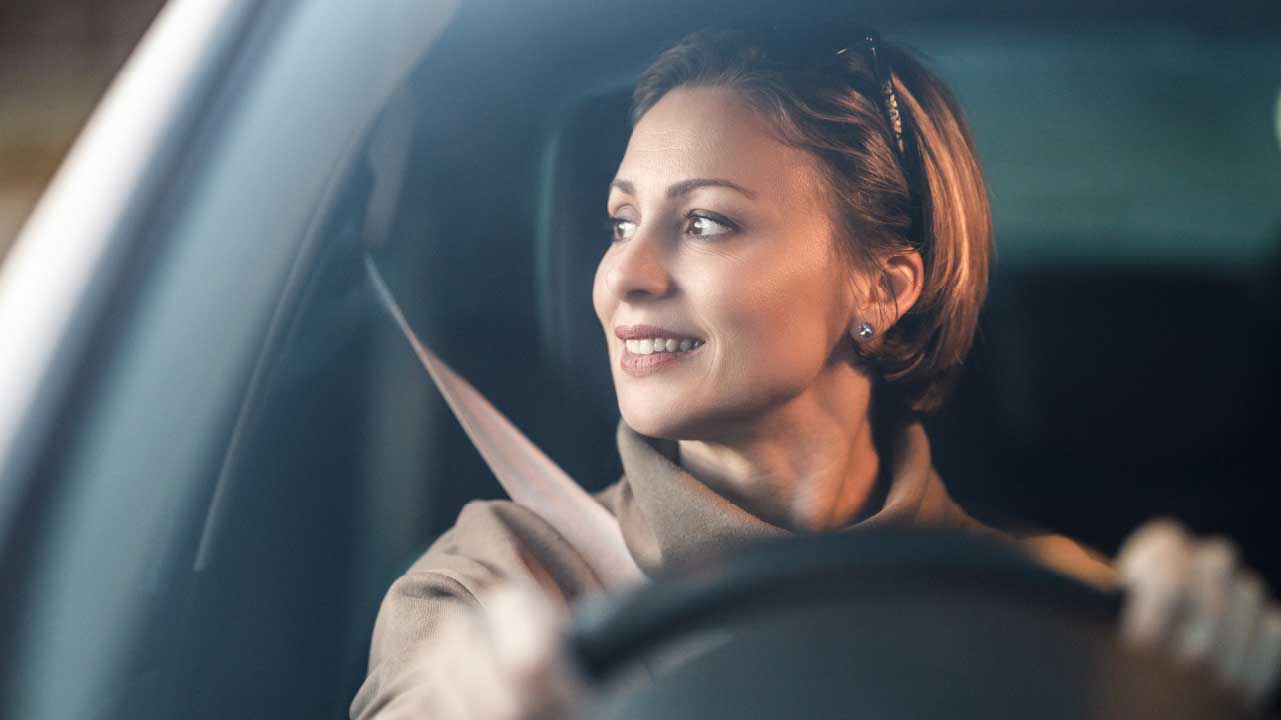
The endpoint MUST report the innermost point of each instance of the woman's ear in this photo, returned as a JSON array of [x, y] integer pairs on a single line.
[[902, 277]]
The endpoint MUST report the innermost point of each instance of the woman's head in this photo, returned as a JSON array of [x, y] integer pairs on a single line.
[[763, 209]]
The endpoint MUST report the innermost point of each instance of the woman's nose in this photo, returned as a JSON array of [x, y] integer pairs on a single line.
[[639, 268]]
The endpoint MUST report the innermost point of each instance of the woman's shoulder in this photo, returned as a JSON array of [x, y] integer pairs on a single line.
[[497, 540], [1055, 550], [1072, 557]]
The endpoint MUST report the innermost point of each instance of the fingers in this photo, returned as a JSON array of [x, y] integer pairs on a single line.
[[1245, 604], [482, 684], [496, 664], [1211, 571], [526, 627], [1153, 564], [1263, 662], [1192, 597]]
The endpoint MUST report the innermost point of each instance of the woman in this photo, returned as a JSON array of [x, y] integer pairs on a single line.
[[800, 251]]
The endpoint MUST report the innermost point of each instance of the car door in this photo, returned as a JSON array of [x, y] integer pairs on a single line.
[[143, 312]]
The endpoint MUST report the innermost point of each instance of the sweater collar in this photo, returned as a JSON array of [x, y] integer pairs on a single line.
[[667, 516]]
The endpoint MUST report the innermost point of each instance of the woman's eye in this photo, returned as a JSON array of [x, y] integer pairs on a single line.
[[704, 226], [621, 228]]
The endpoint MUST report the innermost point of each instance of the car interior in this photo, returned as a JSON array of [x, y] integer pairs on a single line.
[[1124, 368]]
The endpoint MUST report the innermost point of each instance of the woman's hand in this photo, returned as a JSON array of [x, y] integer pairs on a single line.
[[503, 663], [1192, 597]]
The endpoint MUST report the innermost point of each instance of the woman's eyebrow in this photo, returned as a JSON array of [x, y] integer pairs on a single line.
[[685, 186]]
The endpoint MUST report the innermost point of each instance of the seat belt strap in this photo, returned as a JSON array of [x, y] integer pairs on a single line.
[[530, 477]]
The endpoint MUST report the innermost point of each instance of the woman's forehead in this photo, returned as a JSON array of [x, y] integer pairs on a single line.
[[710, 132]]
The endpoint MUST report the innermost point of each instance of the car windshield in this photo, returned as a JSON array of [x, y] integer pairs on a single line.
[[248, 452]]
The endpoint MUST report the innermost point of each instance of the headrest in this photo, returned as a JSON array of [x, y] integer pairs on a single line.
[[585, 158]]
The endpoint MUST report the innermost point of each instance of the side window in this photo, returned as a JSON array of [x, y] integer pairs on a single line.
[[1125, 359], [1147, 145]]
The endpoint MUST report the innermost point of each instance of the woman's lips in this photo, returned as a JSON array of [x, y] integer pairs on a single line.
[[638, 365]]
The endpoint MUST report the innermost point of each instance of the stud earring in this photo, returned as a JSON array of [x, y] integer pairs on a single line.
[[865, 330]]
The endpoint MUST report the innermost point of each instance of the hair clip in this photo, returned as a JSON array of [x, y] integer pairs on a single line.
[[889, 104]]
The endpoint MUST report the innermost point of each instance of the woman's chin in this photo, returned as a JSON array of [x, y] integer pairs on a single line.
[[652, 419]]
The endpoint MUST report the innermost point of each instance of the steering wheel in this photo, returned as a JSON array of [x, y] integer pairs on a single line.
[[885, 623]]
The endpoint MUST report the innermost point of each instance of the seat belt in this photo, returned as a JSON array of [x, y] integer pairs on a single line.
[[530, 477]]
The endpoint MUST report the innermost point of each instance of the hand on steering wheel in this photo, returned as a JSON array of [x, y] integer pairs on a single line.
[[891, 623], [502, 663], [1191, 596]]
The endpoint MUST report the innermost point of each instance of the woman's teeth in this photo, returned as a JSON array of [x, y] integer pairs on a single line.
[[650, 346]]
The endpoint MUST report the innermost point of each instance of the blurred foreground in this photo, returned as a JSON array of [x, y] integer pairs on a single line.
[[56, 59]]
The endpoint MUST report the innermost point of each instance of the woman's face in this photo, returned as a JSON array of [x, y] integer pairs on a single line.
[[723, 243]]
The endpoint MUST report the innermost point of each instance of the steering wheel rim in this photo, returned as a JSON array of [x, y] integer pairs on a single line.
[[604, 635], [903, 667]]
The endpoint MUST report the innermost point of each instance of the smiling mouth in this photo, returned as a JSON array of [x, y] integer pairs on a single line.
[[659, 345], [641, 357]]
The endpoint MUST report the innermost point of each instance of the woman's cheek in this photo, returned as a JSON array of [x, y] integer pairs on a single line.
[[600, 296], [754, 354]]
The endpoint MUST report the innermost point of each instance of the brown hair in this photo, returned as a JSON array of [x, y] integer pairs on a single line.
[[930, 198]]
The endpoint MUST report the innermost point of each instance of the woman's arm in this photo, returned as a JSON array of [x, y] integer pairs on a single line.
[[425, 648], [502, 663]]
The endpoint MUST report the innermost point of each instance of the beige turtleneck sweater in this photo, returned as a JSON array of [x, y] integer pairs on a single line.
[[666, 516]]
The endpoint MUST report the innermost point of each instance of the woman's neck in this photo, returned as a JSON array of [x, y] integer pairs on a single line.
[[808, 466]]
